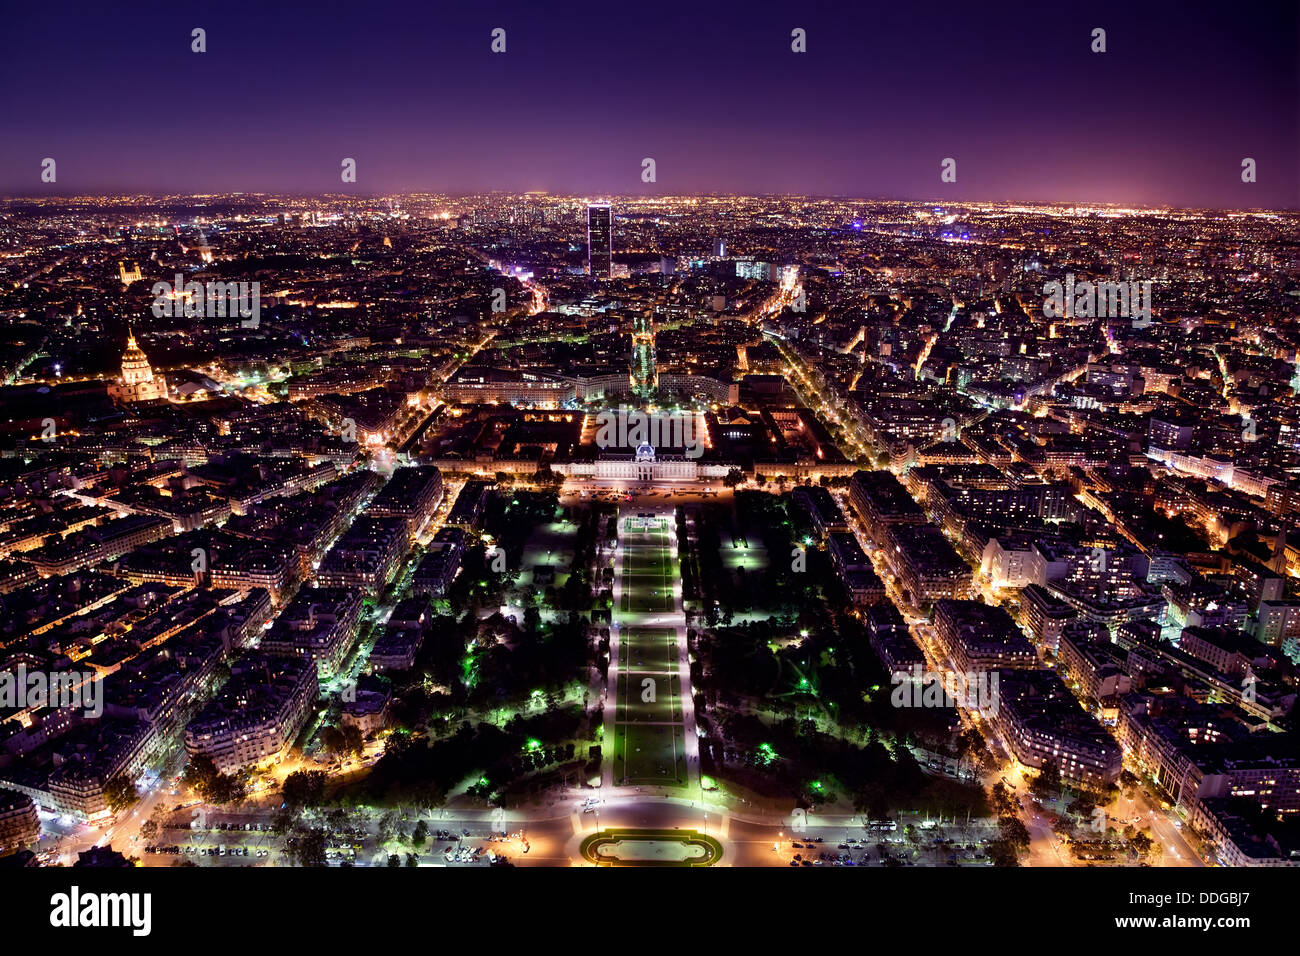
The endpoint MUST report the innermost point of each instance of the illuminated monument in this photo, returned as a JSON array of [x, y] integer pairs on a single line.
[[137, 382]]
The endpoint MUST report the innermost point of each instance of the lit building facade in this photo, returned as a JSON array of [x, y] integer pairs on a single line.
[[137, 383]]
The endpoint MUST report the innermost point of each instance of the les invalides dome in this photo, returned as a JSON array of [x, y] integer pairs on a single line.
[[137, 382]]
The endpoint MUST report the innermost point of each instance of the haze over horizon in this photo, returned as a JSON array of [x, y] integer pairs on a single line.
[[716, 97], [642, 197]]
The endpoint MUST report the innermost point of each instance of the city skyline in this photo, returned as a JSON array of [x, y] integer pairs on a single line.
[[1067, 205], [979, 480]]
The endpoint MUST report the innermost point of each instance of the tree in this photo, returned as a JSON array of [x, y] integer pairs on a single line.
[[1013, 830], [545, 477], [1128, 780], [332, 740], [212, 786], [304, 788], [353, 740], [227, 789], [1003, 801], [1082, 805], [1003, 853], [283, 821], [199, 773], [1141, 843], [734, 478], [307, 848], [872, 800], [120, 793], [1047, 785]]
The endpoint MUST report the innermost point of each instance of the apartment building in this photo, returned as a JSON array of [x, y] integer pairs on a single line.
[[258, 713]]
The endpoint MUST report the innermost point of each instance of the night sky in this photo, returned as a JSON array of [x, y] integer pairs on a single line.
[[711, 91]]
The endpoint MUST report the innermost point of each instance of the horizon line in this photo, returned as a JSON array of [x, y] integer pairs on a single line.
[[636, 197]]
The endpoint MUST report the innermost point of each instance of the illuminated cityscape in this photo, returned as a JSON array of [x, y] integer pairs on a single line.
[[800, 528], [661, 524]]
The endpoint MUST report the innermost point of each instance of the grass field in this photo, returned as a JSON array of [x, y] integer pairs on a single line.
[[667, 704], [549, 546], [649, 736], [647, 576], [648, 648], [649, 740], [647, 754]]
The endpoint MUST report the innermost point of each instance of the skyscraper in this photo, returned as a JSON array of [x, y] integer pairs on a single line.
[[599, 248]]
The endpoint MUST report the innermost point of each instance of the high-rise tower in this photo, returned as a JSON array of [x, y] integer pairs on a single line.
[[599, 240]]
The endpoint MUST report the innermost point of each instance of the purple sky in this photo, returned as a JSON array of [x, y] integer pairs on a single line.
[[710, 90]]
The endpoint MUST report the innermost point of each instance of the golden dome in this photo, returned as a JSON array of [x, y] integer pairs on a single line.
[[135, 364]]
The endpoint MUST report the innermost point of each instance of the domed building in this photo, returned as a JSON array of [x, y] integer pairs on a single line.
[[137, 382], [645, 465]]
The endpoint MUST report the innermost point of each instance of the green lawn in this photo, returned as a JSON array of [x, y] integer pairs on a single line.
[[648, 648], [650, 754], [667, 704], [648, 572], [649, 739]]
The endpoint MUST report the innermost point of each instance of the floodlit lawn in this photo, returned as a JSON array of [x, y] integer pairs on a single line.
[[667, 704], [648, 574], [649, 739], [650, 755], [549, 545], [648, 597], [752, 558], [648, 648]]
